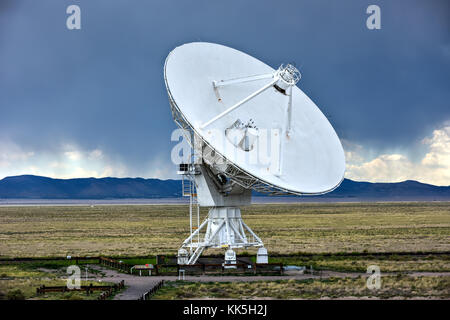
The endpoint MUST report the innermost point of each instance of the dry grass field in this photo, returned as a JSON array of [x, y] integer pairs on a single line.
[[392, 287], [339, 237], [33, 231]]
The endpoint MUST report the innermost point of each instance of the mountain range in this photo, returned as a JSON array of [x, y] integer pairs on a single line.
[[37, 187]]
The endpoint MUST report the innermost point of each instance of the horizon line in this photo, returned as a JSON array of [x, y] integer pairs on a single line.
[[110, 177]]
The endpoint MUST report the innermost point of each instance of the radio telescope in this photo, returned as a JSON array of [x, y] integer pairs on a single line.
[[250, 128]]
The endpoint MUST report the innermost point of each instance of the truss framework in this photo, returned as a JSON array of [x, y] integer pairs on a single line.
[[223, 228]]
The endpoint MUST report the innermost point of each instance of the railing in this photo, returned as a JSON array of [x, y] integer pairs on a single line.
[[106, 294], [273, 255], [239, 268], [115, 264], [33, 259], [107, 290], [152, 291], [174, 269]]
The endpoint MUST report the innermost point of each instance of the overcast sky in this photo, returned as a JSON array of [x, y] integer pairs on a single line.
[[92, 102]]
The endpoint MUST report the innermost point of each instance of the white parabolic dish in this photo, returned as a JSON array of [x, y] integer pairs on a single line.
[[312, 159]]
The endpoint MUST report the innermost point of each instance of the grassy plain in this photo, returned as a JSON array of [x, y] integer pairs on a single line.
[[400, 286], [329, 236], [135, 230]]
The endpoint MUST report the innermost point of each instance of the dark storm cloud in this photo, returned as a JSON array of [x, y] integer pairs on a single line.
[[102, 86]]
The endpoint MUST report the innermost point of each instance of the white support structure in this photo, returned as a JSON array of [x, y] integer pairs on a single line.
[[224, 99], [223, 227]]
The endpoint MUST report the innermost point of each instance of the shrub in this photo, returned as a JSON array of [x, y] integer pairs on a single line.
[[16, 294]]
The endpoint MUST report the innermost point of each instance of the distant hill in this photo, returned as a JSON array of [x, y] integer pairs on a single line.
[[35, 187], [406, 190]]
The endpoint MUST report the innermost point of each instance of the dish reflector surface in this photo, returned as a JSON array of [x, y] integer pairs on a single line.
[[311, 160]]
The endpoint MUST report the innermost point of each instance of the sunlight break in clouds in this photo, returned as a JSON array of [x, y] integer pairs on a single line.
[[70, 161], [73, 162], [434, 167], [11, 153]]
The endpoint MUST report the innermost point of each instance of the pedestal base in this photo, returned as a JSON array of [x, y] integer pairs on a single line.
[[223, 228]]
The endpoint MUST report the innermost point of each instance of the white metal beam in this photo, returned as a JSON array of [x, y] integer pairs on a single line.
[[252, 233], [222, 83], [238, 233], [194, 233], [289, 113], [208, 241], [254, 94]]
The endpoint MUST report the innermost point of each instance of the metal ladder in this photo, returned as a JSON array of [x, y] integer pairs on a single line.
[[189, 190]]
